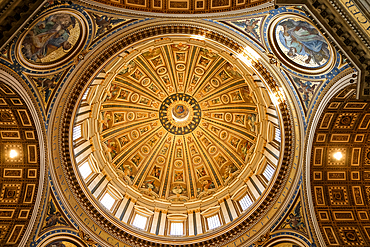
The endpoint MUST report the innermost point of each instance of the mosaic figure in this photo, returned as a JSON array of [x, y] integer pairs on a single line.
[[128, 174], [250, 26], [180, 56], [178, 190], [201, 172], [301, 38], [119, 117], [105, 23], [54, 217], [295, 219], [107, 120], [204, 61], [49, 35], [239, 119], [123, 140], [157, 61], [136, 159], [234, 142], [123, 94], [113, 148], [236, 96], [46, 86], [156, 172], [220, 160], [306, 90], [228, 172], [207, 184], [252, 122]]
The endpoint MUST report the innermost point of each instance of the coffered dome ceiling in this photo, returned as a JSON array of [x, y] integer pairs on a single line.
[[178, 127], [178, 6]]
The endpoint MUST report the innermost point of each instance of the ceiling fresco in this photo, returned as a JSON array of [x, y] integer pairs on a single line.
[[179, 121], [196, 109]]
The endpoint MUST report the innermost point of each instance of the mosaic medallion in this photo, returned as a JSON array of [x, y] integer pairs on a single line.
[[52, 39], [300, 44], [180, 114]]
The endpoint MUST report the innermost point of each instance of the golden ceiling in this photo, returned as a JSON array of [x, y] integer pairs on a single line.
[[20, 172], [181, 125], [180, 6], [184, 106], [340, 187], [201, 124]]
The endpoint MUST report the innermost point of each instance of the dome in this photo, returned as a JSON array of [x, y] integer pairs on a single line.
[[180, 7], [178, 128]]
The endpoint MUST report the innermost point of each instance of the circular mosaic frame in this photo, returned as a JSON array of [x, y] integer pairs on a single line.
[[299, 53], [170, 123], [78, 42]]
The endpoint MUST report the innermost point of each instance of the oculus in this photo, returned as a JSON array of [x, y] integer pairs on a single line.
[[180, 114]]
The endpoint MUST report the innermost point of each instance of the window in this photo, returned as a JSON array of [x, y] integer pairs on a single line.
[[85, 170], [245, 202], [140, 221], [177, 229], [85, 94], [269, 172], [213, 222], [77, 132], [277, 135], [108, 201]]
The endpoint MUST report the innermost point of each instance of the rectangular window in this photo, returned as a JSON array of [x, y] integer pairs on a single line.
[[140, 221], [77, 132], [85, 170], [85, 94], [177, 229], [277, 135], [108, 201], [245, 202], [269, 172], [213, 222]]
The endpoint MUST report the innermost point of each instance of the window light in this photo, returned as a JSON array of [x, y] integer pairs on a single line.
[[85, 94], [246, 202], [277, 135], [77, 132], [140, 221], [269, 172], [338, 155], [177, 229], [13, 153], [213, 222], [108, 201], [85, 170]]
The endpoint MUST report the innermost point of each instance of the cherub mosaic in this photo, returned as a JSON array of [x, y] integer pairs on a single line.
[[54, 217], [105, 23], [251, 26], [306, 90], [46, 85]]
